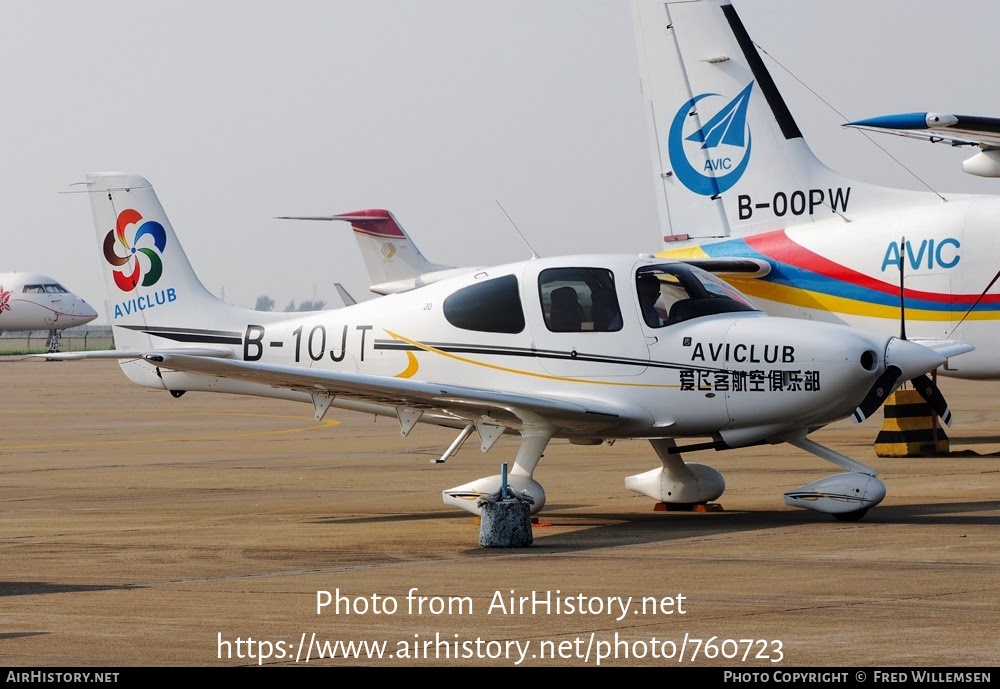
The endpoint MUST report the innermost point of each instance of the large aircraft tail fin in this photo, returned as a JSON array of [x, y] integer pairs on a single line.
[[388, 252], [393, 260], [729, 158]]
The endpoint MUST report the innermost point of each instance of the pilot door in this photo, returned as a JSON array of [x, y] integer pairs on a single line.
[[583, 324]]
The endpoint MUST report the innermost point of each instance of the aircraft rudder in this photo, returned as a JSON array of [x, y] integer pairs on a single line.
[[729, 157], [148, 278], [388, 252]]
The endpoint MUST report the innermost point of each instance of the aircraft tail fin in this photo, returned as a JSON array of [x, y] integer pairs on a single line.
[[389, 254], [155, 298], [729, 158]]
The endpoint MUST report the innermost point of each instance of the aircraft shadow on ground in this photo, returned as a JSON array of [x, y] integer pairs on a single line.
[[392, 518], [20, 635], [594, 530], [974, 440], [660, 527], [36, 588]]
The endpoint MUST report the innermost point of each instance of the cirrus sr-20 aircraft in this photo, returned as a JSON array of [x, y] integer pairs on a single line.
[[584, 348]]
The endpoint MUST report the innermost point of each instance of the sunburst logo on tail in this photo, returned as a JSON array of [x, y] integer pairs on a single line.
[[138, 263]]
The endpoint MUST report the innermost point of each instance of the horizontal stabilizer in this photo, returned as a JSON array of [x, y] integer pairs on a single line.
[[946, 348], [210, 352], [956, 130]]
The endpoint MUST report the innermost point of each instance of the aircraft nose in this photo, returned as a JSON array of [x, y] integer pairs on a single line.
[[912, 358], [82, 312]]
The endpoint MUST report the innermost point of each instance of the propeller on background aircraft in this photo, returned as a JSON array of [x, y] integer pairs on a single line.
[[886, 382]]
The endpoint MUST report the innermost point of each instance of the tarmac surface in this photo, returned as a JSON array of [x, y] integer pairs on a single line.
[[140, 530]]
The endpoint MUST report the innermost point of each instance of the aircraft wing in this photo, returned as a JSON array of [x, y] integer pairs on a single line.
[[456, 402]]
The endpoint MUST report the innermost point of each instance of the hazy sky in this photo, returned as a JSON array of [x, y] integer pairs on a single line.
[[241, 111]]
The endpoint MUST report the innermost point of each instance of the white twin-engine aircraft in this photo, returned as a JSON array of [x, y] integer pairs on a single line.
[[587, 348], [32, 301], [735, 178]]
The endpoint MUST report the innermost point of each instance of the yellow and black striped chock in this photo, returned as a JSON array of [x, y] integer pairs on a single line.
[[910, 428]]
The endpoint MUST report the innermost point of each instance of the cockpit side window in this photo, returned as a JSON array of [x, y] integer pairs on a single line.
[[577, 300], [491, 306], [676, 292], [33, 289]]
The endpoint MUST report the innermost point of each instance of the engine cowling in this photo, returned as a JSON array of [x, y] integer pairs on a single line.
[[467, 495], [839, 494]]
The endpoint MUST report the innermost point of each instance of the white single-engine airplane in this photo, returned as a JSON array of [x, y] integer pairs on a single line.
[[31, 301], [587, 348], [735, 178]]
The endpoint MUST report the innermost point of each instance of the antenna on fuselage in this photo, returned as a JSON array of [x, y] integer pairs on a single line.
[[514, 225]]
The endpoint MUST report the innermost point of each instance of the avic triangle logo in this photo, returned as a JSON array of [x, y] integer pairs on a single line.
[[133, 267], [720, 160]]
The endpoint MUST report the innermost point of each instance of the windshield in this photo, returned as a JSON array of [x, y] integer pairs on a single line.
[[675, 292]]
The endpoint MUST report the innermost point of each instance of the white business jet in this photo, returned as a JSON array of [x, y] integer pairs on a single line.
[[31, 301], [735, 178], [586, 348]]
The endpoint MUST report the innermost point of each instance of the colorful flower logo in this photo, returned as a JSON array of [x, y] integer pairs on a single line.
[[4, 300], [128, 277]]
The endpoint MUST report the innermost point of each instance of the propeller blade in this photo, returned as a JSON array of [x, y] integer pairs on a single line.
[[902, 288], [876, 396], [926, 388]]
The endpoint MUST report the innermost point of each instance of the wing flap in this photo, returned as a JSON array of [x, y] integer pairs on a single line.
[[512, 409]]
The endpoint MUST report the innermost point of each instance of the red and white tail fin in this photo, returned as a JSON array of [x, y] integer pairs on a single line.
[[394, 262], [729, 158]]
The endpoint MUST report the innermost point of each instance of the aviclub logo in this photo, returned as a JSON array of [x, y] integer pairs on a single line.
[[712, 159], [132, 266]]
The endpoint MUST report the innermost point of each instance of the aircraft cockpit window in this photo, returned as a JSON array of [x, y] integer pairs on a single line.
[[579, 300], [491, 306], [33, 289], [676, 292], [55, 289]]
